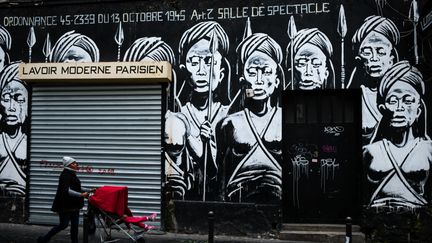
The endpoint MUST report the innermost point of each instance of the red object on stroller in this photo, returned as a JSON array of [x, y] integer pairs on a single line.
[[110, 205], [111, 199]]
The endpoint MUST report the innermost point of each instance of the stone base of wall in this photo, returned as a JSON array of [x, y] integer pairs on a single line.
[[241, 219], [13, 210], [397, 226]]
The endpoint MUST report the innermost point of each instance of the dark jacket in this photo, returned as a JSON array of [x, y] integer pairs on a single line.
[[63, 202]]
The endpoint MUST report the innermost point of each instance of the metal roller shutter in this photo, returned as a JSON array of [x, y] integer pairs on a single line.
[[113, 131]]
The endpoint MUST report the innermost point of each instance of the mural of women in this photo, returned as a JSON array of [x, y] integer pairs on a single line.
[[249, 141], [5, 46], [400, 157], [203, 70], [74, 47], [313, 68], [177, 164], [13, 142], [374, 43]]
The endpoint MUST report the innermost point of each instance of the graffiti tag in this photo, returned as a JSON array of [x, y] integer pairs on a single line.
[[305, 150], [328, 169], [300, 167], [336, 130], [329, 149], [83, 169]]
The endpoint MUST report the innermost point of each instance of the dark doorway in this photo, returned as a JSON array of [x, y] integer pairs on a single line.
[[322, 155]]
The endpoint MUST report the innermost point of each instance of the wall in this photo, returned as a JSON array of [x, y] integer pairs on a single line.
[[249, 51]]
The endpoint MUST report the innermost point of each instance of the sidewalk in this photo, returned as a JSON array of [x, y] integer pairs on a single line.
[[21, 233]]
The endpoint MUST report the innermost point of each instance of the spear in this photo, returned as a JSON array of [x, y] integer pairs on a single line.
[[47, 47], [31, 40], [213, 48], [119, 38], [380, 4], [414, 17], [342, 30], [248, 30], [292, 31], [246, 33]]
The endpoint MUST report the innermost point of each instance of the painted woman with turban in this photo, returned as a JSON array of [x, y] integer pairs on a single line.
[[204, 68], [5, 46], [400, 155], [13, 142], [74, 47], [249, 141], [313, 68], [374, 43], [149, 49], [177, 164]]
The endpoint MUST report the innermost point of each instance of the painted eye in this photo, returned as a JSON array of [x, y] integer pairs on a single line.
[[392, 100], [316, 63], [252, 72], [20, 99], [268, 71], [300, 63], [207, 60], [5, 98], [366, 52], [194, 61], [409, 100], [381, 52]]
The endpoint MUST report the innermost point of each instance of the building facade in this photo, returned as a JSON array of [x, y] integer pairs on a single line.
[[275, 112]]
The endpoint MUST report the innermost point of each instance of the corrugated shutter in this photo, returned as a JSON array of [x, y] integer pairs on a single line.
[[113, 130]]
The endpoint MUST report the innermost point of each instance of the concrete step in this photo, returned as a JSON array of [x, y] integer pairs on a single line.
[[319, 227], [320, 236]]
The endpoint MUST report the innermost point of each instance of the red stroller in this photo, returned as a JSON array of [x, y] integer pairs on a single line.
[[109, 205]]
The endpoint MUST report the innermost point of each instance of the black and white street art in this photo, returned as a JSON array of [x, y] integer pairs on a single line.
[[5, 46], [14, 119], [223, 118], [313, 68], [249, 141], [74, 47], [400, 155], [374, 44], [202, 50]]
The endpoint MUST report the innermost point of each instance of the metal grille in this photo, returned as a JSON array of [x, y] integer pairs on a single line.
[[114, 132]]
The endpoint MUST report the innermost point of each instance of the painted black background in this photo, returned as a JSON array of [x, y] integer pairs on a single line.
[[171, 32]]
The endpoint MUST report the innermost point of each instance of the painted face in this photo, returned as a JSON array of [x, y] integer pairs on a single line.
[[260, 74], [402, 105], [77, 54], [375, 52], [310, 63], [2, 59], [14, 103], [198, 63]]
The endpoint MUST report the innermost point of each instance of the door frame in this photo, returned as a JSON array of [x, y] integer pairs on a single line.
[[355, 95]]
